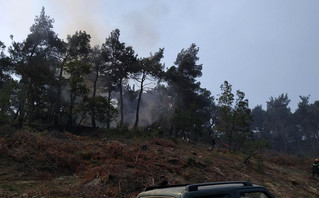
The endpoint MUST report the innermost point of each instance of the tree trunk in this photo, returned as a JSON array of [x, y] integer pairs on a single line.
[[70, 121], [283, 141], [25, 83], [283, 138], [22, 104], [121, 100], [31, 115], [82, 118], [17, 113], [139, 99], [94, 93], [108, 124], [58, 104], [230, 142], [21, 116]]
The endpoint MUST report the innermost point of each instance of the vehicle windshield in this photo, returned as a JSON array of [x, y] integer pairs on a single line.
[[253, 195]]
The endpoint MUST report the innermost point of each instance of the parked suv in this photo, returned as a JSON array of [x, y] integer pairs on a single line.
[[233, 189]]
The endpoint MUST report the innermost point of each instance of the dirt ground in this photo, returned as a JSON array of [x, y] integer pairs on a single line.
[[60, 164]]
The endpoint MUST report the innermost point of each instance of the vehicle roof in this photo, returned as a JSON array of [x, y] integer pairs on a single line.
[[178, 191], [170, 191]]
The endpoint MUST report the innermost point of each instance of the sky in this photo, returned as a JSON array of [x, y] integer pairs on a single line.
[[261, 47]]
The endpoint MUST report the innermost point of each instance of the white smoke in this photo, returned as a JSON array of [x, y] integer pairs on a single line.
[[75, 15], [141, 26]]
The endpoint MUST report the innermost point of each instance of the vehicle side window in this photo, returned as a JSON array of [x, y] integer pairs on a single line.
[[253, 195], [158, 197], [216, 196]]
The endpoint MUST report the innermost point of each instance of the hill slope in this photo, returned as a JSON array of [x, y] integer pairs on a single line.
[[65, 165]]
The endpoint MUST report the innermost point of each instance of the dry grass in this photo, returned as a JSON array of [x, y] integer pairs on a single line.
[[66, 165]]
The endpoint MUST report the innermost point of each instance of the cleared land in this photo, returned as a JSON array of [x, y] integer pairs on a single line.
[[56, 164]]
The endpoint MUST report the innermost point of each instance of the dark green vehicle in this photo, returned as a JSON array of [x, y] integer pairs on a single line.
[[233, 189]]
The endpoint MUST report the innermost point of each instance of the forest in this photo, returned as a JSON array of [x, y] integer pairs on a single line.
[[47, 82]]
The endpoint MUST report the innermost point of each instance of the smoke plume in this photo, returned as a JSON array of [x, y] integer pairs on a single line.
[[81, 15]]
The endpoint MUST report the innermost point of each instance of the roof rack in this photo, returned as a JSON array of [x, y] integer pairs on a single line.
[[194, 187], [164, 186]]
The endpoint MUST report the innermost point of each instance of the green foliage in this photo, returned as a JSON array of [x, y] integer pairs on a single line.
[[192, 103], [253, 146], [227, 97], [225, 118], [7, 87], [242, 120], [121, 61], [77, 67], [78, 45], [5, 66], [34, 60], [277, 121], [102, 109], [252, 151], [77, 86], [233, 121], [42, 24], [56, 77], [191, 161], [258, 115], [150, 66], [286, 132]]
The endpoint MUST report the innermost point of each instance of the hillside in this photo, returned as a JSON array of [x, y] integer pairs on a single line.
[[56, 164]]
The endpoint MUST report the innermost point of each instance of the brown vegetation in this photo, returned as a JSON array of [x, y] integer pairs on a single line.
[[60, 164]]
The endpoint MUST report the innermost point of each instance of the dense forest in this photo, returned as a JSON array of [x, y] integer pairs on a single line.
[[49, 82]]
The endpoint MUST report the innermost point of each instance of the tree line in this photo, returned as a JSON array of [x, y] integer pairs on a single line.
[[45, 80]]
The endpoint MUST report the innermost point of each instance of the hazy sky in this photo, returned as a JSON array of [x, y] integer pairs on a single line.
[[262, 47]]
